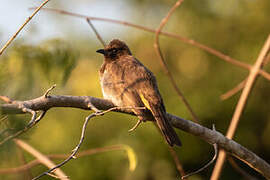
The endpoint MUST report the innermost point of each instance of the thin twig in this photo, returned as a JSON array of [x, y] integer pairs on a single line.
[[96, 32], [25, 129], [205, 166], [23, 108], [164, 64], [240, 106], [177, 162], [172, 35], [49, 90], [234, 90], [19, 30], [208, 164], [241, 85], [34, 114], [42, 158], [42, 114], [92, 107], [76, 149], [245, 175], [135, 126], [36, 162]]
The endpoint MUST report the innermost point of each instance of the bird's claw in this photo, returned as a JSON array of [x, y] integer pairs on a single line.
[[135, 126]]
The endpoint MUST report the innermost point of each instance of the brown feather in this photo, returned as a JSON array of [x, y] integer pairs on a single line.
[[124, 78]]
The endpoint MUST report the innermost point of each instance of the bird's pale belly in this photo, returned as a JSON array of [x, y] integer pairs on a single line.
[[112, 91], [108, 94]]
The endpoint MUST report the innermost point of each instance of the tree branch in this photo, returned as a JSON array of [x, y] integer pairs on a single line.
[[22, 26], [241, 105], [35, 162], [164, 64], [41, 158], [208, 135], [241, 85], [192, 42]]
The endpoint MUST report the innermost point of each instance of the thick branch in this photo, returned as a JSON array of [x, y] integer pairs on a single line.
[[45, 103], [208, 135]]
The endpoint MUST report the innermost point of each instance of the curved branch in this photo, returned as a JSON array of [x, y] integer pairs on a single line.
[[192, 42], [164, 64], [200, 131]]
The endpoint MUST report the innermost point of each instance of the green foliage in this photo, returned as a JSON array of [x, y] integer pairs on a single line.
[[27, 67]]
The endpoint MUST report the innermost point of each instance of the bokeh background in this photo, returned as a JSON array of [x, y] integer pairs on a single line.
[[57, 49]]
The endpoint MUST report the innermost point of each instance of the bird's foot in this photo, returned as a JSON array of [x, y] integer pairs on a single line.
[[136, 125]]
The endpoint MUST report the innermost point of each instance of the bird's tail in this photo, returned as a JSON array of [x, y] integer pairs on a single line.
[[165, 126]]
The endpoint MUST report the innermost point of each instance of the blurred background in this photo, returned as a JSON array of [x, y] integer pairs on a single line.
[[58, 49]]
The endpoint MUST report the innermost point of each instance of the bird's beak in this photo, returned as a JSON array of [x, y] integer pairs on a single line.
[[101, 51]]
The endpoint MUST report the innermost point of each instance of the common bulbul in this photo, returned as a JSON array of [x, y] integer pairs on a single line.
[[127, 82]]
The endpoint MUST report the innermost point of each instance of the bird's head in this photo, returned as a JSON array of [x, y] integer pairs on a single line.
[[114, 50]]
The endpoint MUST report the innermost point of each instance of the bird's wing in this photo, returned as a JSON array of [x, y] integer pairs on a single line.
[[143, 83], [140, 81]]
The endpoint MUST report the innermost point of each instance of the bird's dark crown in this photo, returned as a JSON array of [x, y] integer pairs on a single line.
[[115, 49]]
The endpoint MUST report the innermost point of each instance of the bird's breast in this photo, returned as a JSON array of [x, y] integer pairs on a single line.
[[112, 87]]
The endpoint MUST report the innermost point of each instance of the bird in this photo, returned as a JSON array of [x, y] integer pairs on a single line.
[[126, 82]]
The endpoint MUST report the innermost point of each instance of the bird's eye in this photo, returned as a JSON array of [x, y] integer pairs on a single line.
[[114, 51]]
